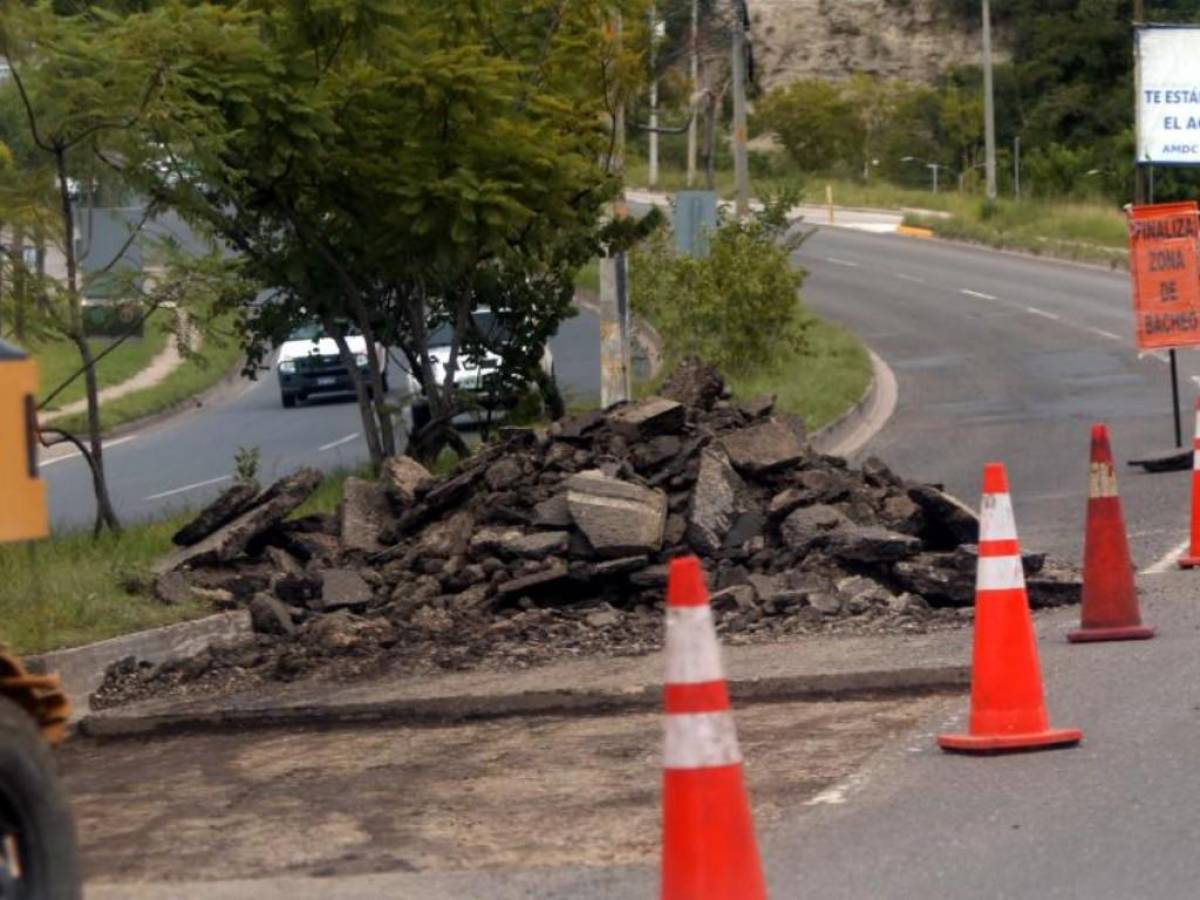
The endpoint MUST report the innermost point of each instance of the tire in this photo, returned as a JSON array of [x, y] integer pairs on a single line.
[[421, 415], [34, 812], [289, 400]]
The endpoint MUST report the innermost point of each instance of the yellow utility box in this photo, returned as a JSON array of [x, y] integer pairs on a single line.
[[23, 515]]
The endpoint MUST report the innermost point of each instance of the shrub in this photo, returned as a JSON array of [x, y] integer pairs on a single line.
[[738, 308]]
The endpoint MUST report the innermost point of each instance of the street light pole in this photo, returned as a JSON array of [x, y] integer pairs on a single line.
[[933, 167], [652, 175], [741, 167], [694, 72], [989, 113]]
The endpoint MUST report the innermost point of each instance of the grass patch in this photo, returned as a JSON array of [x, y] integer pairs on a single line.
[[818, 383], [58, 360], [195, 375], [71, 589]]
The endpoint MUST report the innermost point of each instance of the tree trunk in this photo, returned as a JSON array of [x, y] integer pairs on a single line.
[[370, 425], [105, 514], [20, 280]]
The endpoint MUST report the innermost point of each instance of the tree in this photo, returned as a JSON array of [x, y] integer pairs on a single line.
[[71, 98], [389, 163], [814, 122]]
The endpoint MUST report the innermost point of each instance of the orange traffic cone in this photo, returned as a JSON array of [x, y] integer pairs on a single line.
[[1191, 559], [1008, 711], [1110, 603], [709, 851]]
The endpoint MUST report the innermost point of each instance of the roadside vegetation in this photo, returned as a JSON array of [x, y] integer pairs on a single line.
[[58, 360], [739, 308], [216, 358]]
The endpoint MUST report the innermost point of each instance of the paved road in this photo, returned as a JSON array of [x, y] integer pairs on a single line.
[[1009, 358], [186, 460]]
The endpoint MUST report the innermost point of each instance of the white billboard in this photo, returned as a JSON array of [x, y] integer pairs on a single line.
[[1168, 95]]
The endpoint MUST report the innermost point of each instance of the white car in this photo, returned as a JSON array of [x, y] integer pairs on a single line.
[[309, 363], [470, 375]]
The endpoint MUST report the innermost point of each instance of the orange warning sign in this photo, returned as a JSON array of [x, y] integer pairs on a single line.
[[1166, 274]]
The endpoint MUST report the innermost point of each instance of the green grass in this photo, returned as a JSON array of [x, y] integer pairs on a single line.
[[215, 359], [58, 360], [818, 383], [71, 589]]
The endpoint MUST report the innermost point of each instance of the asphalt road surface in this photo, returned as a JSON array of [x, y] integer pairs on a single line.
[[185, 461], [1000, 357]]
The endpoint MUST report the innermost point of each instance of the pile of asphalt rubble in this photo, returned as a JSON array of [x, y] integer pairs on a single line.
[[555, 543]]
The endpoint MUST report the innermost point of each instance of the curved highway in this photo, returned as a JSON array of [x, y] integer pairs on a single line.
[[184, 461]]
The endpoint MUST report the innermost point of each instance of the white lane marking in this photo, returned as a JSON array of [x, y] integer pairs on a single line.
[[1167, 561], [1106, 334], [979, 294], [77, 455], [1045, 315], [841, 262], [347, 439], [188, 487], [913, 278]]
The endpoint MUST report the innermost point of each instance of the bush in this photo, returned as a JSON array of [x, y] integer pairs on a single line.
[[738, 308]]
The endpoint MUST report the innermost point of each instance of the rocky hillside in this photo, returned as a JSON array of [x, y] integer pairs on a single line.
[[908, 39]]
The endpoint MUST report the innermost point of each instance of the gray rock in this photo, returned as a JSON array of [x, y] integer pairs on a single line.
[[764, 447], [405, 479], [230, 540], [364, 512], [901, 513], [503, 473], [283, 562], [823, 485], [655, 452], [736, 597], [950, 520], [297, 589], [269, 616], [172, 589], [714, 504], [335, 632], [826, 604], [786, 501], [650, 577], [647, 418], [539, 544], [341, 589], [694, 383], [810, 526], [859, 543], [876, 473], [746, 529], [449, 537], [232, 502], [552, 513], [935, 577], [767, 587], [760, 406], [538, 583], [618, 518]]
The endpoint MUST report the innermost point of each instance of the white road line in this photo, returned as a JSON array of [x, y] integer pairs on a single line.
[[347, 439], [1045, 315], [841, 262], [913, 278], [188, 487], [979, 294], [108, 445], [1106, 334], [1167, 561]]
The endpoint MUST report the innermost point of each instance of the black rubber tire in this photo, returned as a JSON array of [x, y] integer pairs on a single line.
[[289, 400], [34, 809], [421, 415]]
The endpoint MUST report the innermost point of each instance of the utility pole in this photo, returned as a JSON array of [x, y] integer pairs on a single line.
[[1017, 167], [741, 168], [694, 71], [989, 112], [652, 176], [615, 367]]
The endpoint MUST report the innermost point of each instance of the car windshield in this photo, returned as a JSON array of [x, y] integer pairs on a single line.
[[314, 331]]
